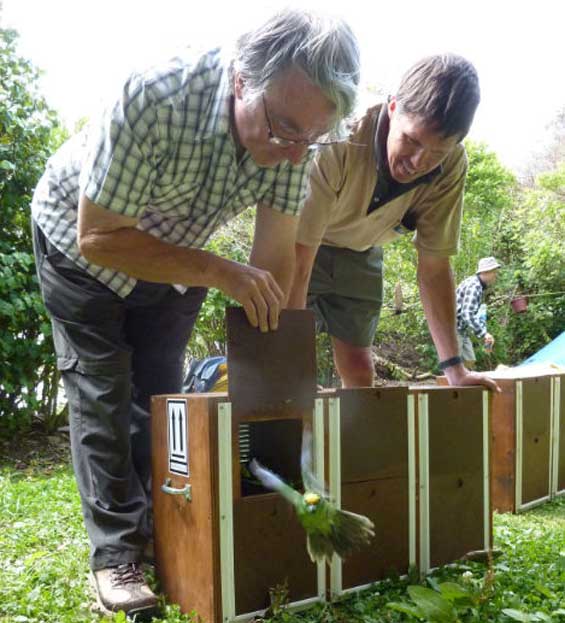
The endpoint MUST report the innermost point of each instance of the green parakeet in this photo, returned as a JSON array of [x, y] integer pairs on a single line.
[[329, 529]]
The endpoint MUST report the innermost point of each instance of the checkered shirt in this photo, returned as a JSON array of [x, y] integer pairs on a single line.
[[469, 295], [163, 153]]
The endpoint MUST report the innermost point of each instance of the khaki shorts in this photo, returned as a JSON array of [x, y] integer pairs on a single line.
[[466, 351], [346, 293]]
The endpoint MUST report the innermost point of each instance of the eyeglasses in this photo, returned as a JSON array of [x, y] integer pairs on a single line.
[[287, 142]]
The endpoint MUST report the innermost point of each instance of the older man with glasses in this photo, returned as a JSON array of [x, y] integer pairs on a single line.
[[120, 218], [316, 143]]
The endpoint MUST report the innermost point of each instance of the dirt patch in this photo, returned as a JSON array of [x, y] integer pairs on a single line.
[[397, 349], [36, 450]]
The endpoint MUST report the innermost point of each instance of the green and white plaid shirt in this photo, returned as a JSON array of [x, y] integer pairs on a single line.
[[164, 154]]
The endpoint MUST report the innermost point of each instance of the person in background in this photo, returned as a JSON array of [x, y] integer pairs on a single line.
[[119, 221], [471, 316], [402, 171]]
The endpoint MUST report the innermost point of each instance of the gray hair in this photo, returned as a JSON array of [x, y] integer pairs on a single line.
[[443, 91], [322, 46]]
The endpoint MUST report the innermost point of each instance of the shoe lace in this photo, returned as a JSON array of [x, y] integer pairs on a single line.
[[129, 573]]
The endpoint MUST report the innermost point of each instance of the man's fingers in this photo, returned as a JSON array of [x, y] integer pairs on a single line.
[[260, 295], [277, 290], [262, 308], [480, 379], [268, 301], [275, 299], [250, 312], [491, 384]]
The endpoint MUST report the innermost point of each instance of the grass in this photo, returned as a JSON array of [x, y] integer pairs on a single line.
[[44, 563]]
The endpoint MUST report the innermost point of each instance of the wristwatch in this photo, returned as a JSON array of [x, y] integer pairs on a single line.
[[448, 363]]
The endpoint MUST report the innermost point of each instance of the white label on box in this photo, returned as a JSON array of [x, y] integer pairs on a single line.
[[177, 418]]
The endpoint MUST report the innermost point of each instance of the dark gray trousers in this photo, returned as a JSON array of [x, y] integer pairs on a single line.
[[114, 354]]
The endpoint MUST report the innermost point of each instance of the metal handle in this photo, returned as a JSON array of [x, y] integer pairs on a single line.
[[186, 491]]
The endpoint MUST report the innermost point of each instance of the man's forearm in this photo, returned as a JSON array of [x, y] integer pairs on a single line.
[[437, 292], [298, 293], [305, 257], [282, 270], [145, 257]]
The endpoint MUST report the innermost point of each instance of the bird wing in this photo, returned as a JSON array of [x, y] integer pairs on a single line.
[[273, 482], [337, 532], [311, 483], [350, 531]]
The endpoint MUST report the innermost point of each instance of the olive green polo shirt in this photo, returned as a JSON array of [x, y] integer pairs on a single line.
[[342, 208]]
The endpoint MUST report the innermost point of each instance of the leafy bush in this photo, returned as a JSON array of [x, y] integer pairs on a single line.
[[29, 132]]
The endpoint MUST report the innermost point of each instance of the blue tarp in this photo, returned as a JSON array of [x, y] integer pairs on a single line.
[[554, 352]]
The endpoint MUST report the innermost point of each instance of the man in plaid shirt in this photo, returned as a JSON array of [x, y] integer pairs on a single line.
[[469, 297], [120, 218]]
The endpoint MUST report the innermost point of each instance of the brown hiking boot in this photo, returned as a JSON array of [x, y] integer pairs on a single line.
[[124, 588]]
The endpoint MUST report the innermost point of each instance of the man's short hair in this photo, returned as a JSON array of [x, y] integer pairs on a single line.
[[443, 91], [323, 47]]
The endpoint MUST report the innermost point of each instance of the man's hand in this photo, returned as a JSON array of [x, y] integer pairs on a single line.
[[257, 290], [459, 375]]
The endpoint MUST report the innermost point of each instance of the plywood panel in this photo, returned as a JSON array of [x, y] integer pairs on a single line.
[[271, 373], [270, 549], [385, 502], [186, 532], [374, 441], [536, 410], [456, 473]]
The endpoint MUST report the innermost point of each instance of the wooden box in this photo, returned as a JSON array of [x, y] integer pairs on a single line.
[[221, 551]]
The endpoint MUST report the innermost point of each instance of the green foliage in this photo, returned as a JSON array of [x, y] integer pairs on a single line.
[[29, 132], [524, 229], [535, 259], [490, 192]]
